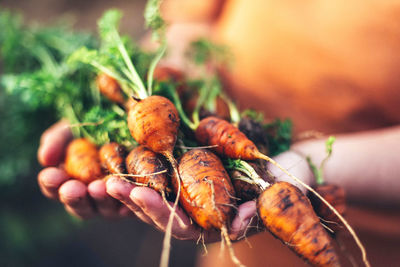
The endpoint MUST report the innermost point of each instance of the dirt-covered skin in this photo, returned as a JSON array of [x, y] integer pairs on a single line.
[[82, 161], [154, 122], [110, 88], [144, 161], [336, 196], [112, 158], [230, 141], [207, 194], [288, 214]]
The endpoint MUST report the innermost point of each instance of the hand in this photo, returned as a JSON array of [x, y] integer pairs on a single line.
[[148, 205], [81, 200]]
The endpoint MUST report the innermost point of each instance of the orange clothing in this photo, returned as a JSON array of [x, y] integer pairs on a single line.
[[330, 66]]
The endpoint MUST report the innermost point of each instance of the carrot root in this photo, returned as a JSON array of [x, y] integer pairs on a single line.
[[168, 230], [343, 220], [225, 237], [201, 238]]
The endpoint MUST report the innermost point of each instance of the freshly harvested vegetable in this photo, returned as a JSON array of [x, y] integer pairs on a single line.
[[207, 194], [112, 158], [167, 73], [154, 122], [126, 78], [288, 214], [110, 88], [248, 179], [82, 161], [334, 194], [142, 161], [230, 142], [245, 190]]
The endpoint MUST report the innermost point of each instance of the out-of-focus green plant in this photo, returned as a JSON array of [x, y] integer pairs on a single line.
[[35, 84]]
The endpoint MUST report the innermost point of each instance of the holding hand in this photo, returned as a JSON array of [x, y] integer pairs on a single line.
[[79, 199], [100, 196]]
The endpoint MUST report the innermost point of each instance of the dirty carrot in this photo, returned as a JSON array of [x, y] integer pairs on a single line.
[[143, 161], [110, 88], [82, 161], [334, 194], [288, 214], [207, 194], [112, 158], [232, 143], [154, 122]]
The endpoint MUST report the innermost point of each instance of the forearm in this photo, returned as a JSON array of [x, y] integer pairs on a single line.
[[365, 164]]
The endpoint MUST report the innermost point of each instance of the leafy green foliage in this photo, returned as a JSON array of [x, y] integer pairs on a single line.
[[319, 171], [279, 134], [329, 144], [35, 87], [204, 51], [105, 125], [253, 114], [112, 45], [153, 18]]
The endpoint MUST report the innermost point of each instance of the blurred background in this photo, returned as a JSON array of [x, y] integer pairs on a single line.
[[35, 231]]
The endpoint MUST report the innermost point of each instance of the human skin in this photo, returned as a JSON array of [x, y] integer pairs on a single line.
[[363, 163], [82, 201], [115, 198]]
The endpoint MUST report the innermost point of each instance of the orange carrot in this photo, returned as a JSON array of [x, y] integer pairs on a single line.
[[288, 214], [112, 158], [207, 194], [336, 196], [153, 122], [143, 161], [110, 88], [130, 103], [165, 73], [232, 143], [228, 139], [82, 161]]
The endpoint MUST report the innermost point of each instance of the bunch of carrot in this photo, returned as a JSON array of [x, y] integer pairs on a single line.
[[196, 177]]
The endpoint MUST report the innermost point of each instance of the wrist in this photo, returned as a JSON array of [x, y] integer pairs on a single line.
[[295, 163]]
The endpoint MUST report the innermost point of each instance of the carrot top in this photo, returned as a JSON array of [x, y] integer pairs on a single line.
[[318, 171]]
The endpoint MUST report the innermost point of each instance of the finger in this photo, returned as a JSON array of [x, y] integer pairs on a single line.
[[50, 179], [124, 211], [246, 212], [105, 204], [53, 143], [120, 190], [154, 207], [73, 194]]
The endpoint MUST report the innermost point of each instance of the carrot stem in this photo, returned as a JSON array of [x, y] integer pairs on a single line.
[[343, 220], [179, 108], [168, 230]]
